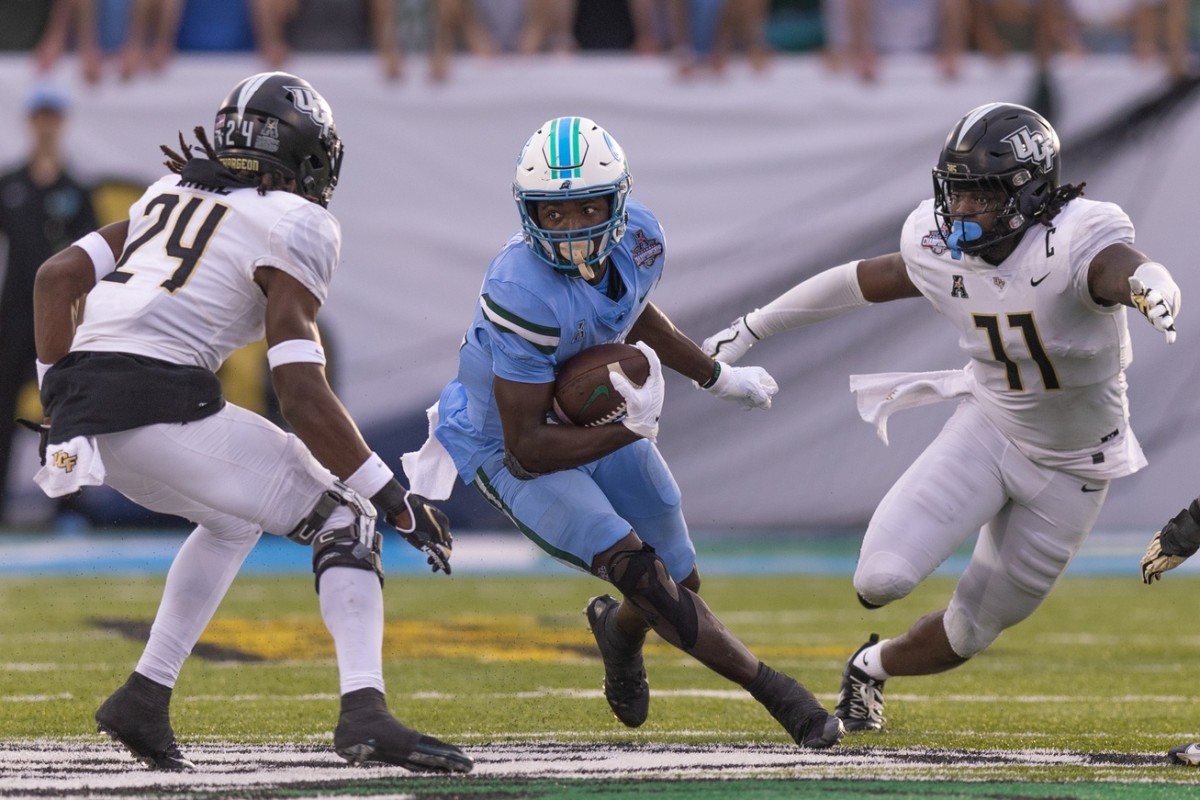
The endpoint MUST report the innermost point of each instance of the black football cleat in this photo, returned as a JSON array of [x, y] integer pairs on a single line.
[[366, 731], [795, 708], [860, 699], [137, 717], [626, 687]]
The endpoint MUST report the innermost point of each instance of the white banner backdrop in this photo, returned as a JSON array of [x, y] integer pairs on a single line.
[[759, 180]]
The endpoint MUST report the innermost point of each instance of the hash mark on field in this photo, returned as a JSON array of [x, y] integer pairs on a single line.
[[77, 769]]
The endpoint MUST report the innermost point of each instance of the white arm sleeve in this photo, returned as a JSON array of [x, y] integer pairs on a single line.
[[827, 294]]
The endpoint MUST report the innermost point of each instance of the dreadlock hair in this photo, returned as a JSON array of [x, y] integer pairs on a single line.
[[265, 182], [176, 162], [1062, 195]]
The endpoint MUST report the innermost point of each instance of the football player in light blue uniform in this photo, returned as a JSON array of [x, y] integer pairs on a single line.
[[598, 498]]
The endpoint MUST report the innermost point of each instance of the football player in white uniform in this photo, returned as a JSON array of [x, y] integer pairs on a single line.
[[1035, 280], [235, 244]]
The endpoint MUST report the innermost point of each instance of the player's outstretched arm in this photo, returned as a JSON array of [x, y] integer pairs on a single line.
[[1178, 540], [750, 387], [825, 295], [321, 421], [1121, 274]]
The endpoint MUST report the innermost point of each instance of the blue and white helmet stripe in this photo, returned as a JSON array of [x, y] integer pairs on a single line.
[[569, 158]]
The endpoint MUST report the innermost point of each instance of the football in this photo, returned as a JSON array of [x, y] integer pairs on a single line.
[[583, 394]]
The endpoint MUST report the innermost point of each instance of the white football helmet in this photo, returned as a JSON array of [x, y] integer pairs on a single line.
[[566, 159]]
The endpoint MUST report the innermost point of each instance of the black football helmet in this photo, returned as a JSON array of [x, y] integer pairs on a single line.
[[275, 121], [1000, 148]]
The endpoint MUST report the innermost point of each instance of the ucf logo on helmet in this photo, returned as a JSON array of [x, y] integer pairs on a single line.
[[309, 102], [1032, 146]]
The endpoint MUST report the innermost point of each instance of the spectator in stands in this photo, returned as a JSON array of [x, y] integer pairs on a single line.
[[150, 38], [145, 34], [94, 28], [330, 26], [24, 23], [489, 27], [1040, 27], [603, 25], [547, 27], [858, 32], [795, 26], [658, 26], [1148, 29], [743, 27], [43, 208]]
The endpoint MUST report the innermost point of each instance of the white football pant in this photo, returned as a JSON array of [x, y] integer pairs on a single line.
[[971, 477], [236, 474]]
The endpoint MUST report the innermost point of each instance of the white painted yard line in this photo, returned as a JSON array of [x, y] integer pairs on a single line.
[[35, 666], [35, 698], [709, 694], [58, 636]]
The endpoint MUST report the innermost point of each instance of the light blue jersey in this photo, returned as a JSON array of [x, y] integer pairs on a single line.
[[529, 321]]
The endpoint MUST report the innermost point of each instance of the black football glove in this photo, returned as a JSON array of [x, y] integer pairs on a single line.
[[428, 529], [43, 432]]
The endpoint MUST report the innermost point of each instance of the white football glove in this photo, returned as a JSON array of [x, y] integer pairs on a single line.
[[750, 387], [732, 343], [1158, 302], [643, 404], [1171, 546]]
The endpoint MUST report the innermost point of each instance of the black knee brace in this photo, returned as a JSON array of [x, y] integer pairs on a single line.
[[358, 545], [344, 547], [642, 577]]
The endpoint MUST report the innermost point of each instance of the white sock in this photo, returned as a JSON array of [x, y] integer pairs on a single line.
[[352, 607], [870, 661], [200, 575]]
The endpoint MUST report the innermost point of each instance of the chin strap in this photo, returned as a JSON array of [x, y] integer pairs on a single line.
[[962, 232]]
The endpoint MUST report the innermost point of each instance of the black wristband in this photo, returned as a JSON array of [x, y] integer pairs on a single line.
[[708, 384], [390, 498], [1181, 536]]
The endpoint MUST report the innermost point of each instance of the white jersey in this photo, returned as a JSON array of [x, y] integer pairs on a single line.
[[184, 289], [1047, 361]]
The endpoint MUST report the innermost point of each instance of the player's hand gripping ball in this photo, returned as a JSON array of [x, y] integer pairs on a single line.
[[583, 393]]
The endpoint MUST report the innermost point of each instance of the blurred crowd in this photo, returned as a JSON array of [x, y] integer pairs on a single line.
[[125, 38]]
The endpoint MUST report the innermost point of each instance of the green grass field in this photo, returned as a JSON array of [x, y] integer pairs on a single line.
[[1102, 672]]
